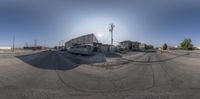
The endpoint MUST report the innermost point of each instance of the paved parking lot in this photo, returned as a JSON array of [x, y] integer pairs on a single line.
[[53, 75]]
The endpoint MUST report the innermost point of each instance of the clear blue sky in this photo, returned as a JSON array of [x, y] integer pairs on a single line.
[[148, 21]]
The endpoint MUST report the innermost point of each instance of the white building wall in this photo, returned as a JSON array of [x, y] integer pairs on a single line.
[[5, 48]]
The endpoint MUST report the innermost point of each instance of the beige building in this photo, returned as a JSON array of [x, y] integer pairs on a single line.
[[85, 39]]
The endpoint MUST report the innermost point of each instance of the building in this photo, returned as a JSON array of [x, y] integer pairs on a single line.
[[198, 48], [130, 45], [149, 47], [35, 48], [5, 48], [173, 47], [105, 48], [127, 45], [85, 39], [142, 46], [177, 47], [135, 45]]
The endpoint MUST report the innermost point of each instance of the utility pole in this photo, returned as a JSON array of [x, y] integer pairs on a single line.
[[62, 43], [13, 43], [59, 45], [111, 31], [35, 43], [26, 45]]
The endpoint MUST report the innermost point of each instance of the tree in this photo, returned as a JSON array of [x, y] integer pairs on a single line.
[[187, 44], [165, 46]]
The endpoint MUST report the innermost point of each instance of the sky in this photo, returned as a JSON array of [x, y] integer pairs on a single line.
[[50, 21]]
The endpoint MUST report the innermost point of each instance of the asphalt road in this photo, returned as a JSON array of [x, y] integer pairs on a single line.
[[52, 75]]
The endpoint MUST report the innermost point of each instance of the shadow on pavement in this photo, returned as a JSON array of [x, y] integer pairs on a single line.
[[48, 60], [79, 59], [113, 55]]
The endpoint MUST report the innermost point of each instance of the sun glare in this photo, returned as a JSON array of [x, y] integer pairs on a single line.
[[99, 35]]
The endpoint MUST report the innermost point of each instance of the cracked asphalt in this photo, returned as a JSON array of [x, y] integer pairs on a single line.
[[52, 75]]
